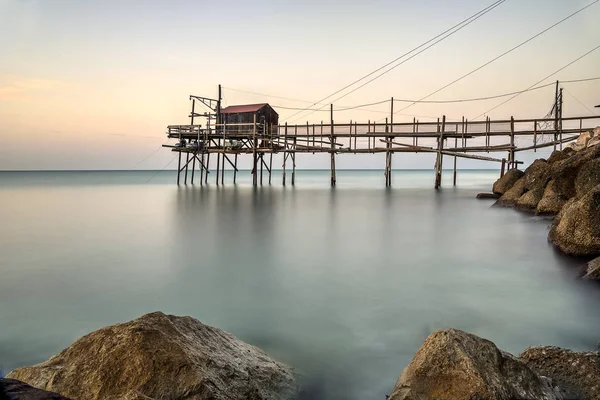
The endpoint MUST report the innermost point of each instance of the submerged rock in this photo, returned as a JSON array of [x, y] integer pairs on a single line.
[[577, 373], [456, 365], [12, 389], [593, 270], [160, 356], [551, 202], [507, 181], [487, 195], [576, 229]]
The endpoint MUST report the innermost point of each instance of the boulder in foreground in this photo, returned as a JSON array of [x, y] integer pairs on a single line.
[[12, 389], [455, 365], [160, 356], [577, 373]]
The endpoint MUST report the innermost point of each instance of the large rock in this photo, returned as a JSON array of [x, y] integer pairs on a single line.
[[593, 270], [12, 389], [551, 202], [507, 181], [455, 365], [160, 356], [565, 172], [595, 141], [577, 373], [588, 177], [537, 175], [576, 229], [513, 194], [558, 155], [530, 200]]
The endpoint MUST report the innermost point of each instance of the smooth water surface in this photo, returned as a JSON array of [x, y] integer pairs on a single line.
[[342, 284]]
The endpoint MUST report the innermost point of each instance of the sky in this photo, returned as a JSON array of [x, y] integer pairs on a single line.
[[93, 84]]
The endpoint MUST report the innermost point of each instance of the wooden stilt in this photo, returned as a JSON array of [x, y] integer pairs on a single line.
[[202, 170], [207, 168], [284, 151], [261, 168], [187, 161], [193, 167], [511, 162], [455, 146], [333, 177], [502, 168], [270, 166], [439, 160], [178, 168], [254, 155], [235, 168], [294, 164]]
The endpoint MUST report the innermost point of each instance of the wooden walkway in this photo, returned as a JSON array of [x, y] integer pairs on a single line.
[[455, 139]]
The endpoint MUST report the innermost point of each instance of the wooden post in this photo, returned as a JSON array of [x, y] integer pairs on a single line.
[[556, 116], [218, 161], [235, 167], [270, 165], [440, 156], [254, 155], [284, 151], [534, 136], [511, 163], [207, 167], [294, 163], [503, 166], [262, 162], [390, 138], [355, 134], [560, 101], [178, 168], [223, 160], [331, 134], [202, 170], [187, 162], [455, 146], [417, 134], [193, 166]]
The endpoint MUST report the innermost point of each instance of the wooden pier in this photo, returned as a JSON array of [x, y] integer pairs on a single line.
[[455, 139]]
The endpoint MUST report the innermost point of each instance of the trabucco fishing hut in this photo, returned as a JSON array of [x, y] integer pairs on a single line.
[[255, 130]]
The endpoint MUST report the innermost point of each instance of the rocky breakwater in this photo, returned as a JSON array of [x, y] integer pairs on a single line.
[[160, 356], [567, 186], [455, 365]]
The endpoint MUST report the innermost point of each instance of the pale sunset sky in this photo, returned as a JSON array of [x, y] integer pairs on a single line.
[[93, 84]]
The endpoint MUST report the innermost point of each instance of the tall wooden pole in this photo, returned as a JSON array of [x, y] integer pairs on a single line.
[[284, 151], [511, 159], [333, 177], [455, 146], [254, 155]]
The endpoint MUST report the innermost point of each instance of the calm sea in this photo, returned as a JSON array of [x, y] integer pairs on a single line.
[[342, 284]]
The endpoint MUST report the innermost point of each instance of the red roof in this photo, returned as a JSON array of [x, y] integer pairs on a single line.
[[243, 108]]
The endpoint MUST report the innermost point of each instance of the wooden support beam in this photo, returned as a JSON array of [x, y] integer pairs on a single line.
[[440, 156], [333, 177], [187, 161], [285, 151], [455, 145], [270, 166], [235, 170], [178, 168], [193, 167]]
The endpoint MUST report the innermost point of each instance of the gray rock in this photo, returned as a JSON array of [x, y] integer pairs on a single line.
[[558, 155], [456, 365], [160, 356], [577, 373], [576, 229], [12, 389], [507, 181]]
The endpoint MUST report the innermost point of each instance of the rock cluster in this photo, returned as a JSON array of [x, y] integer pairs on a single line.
[[567, 186], [456, 365], [160, 356]]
